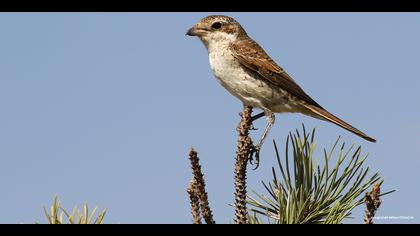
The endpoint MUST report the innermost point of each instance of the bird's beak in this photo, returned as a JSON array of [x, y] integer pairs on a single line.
[[191, 32], [195, 31]]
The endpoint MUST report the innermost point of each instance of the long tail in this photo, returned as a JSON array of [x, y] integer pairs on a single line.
[[325, 115]]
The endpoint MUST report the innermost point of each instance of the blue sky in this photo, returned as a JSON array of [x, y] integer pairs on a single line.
[[103, 108]]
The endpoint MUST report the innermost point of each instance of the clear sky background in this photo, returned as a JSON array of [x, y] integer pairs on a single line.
[[103, 108]]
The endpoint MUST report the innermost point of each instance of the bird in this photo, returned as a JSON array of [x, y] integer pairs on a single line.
[[246, 71]]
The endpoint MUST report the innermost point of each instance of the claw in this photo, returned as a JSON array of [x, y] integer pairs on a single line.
[[255, 151], [252, 127]]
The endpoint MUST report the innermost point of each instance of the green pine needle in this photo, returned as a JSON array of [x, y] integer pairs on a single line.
[[305, 192], [59, 215]]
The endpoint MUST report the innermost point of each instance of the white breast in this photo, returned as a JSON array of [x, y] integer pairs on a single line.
[[240, 83]]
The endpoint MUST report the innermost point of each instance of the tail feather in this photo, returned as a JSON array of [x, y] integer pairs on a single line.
[[325, 115]]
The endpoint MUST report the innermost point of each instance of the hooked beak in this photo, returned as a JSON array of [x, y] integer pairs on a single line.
[[194, 31], [191, 32]]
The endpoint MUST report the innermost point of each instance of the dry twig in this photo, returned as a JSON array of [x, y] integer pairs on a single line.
[[195, 202], [199, 188], [244, 149], [373, 202]]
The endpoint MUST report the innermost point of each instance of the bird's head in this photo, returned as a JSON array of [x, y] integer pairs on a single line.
[[217, 29]]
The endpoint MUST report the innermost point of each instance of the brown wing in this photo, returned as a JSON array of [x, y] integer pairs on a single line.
[[253, 57]]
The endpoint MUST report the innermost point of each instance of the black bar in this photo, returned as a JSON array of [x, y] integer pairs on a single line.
[[210, 5]]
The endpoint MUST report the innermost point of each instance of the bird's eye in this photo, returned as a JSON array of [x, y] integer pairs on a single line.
[[216, 25]]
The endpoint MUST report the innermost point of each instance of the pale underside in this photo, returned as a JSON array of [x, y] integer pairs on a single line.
[[248, 85]]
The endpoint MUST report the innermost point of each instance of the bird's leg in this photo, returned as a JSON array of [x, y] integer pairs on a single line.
[[270, 122], [257, 116], [254, 118]]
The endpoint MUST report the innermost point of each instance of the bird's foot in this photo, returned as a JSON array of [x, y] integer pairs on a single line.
[[252, 127], [255, 150]]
